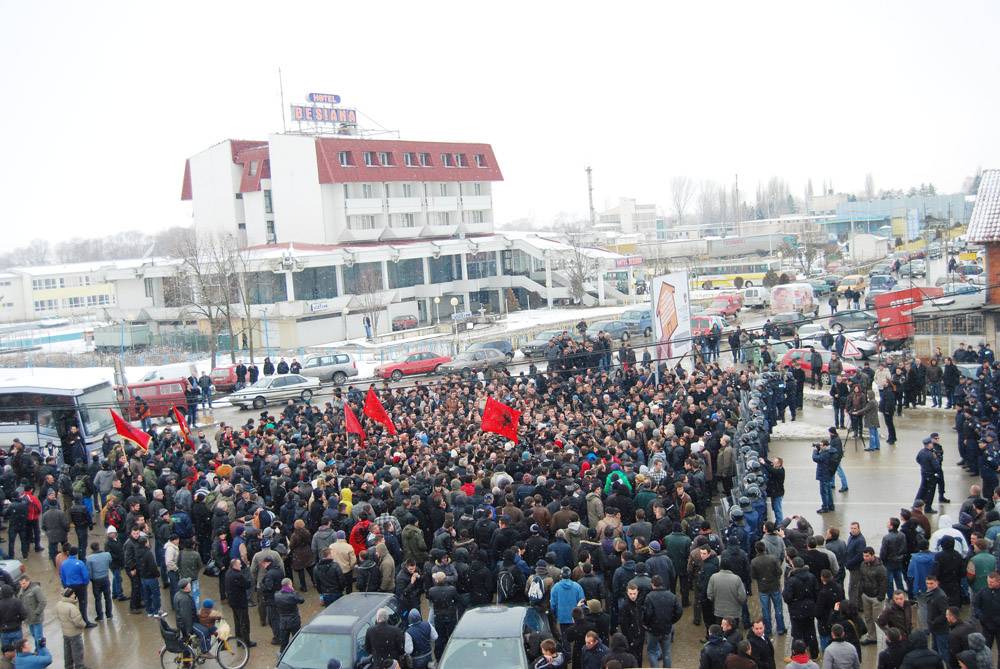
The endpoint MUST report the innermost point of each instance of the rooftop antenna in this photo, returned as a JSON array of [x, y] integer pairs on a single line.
[[281, 92]]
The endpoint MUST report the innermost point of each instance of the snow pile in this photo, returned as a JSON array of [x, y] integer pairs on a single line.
[[799, 430]]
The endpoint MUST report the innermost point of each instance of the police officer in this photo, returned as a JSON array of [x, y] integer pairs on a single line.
[[930, 474], [737, 532], [938, 448]]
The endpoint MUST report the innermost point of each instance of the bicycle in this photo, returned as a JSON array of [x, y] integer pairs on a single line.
[[229, 652]]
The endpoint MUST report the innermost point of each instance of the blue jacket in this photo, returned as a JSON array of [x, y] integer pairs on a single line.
[[822, 460], [74, 572], [565, 595], [921, 564], [38, 660], [855, 551], [98, 564], [563, 551]]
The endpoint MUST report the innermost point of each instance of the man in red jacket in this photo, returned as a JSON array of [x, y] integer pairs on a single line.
[[34, 514]]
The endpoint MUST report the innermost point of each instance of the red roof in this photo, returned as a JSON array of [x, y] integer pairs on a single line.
[[328, 151], [255, 160], [236, 147], [186, 184]]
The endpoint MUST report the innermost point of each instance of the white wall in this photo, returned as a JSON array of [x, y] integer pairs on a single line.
[[215, 180], [131, 294], [253, 206], [295, 190], [334, 216]]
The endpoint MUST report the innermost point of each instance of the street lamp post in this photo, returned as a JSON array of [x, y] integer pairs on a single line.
[[437, 309], [454, 305], [344, 313], [267, 340]]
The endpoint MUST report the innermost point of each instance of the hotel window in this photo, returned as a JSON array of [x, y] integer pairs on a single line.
[[408, 159], [406, 273], [405, 221], [460, 160], [425, 160], [148, 285], [477, 188], [362, 222], [75, 302], [480, 160], [345, 158], [446, 160], [367, 190], [272, 237], [46, 305], [476, 216], [268, 207], [385, 159], [407, 190], [253, 168], [369, 159], [443, 189]]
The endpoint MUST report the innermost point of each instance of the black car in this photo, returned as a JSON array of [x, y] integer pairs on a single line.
[[860, 321], [788, 322], [338, 632], [502, 345]]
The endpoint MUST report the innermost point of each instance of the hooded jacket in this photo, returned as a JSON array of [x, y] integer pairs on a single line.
[[34, 602], [800, 593], [68, 614], [984, 654], [920, 656], [945, 528]]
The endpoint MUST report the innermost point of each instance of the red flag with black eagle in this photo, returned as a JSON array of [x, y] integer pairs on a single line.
[[501, 419], [352, 423], [185, 430], [374, 410], [126, 431]]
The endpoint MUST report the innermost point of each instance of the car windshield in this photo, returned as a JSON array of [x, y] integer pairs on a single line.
[[464, 653], [313, 651], [547, 335], [263, 383], [635, 315]]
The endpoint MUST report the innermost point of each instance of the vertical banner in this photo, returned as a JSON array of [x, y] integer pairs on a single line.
[[671, 315]]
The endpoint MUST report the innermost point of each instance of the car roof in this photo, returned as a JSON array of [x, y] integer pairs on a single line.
[[491, 622], [345, 613]]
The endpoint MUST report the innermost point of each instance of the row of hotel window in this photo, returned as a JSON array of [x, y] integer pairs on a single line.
[[60, 282], [370, 222], [410, 159], [74, 302], [402, 190]]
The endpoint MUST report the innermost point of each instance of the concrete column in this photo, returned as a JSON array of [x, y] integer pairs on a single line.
[[339, 269], [465, 266], [631, 283], [548, 280], [600, 287], [385, 274], [290, 286], [427, 271]]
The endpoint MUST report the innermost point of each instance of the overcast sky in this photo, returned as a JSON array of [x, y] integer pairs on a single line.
[[103, 101]]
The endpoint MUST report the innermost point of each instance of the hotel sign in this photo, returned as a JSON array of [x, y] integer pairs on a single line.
[[323, 114]]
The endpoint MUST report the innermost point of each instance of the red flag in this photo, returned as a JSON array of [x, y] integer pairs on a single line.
[[374, 410], [185, 430], [353, 424], [129, 433], [501, 419]]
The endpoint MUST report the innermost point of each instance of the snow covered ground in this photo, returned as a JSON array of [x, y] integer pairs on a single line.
[[799, 430]]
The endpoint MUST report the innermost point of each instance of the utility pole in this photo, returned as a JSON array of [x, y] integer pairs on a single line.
[[736, 204], [590, 196]]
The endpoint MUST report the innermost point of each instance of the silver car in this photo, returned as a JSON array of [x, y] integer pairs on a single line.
[[468, 363], [278, 388], [336, 367]]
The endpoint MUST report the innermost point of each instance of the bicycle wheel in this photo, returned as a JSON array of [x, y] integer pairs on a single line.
[[170, 660], [232, 653]]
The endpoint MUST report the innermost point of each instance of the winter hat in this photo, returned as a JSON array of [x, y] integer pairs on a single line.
[[341, 534], [414, 616], [654, 546], [208, 604]]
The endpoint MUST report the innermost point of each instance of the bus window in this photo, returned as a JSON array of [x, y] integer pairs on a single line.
[[94, 409]]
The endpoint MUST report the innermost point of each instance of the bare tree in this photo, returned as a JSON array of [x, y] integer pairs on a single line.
[[579, 266], [869, 186], [681, 191], [370, 295], [707, 203]]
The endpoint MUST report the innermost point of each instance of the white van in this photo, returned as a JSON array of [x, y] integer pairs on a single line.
[[757, 297]]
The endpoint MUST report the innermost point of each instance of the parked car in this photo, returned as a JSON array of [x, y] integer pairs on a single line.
[[866, 347], [853, 320], [913, 268], [639, 322], [953, 277], [502, 345], [278, 388], [881, 268], [423, 362], [702, 324], [493, 636], [934, 250], [832, 280], [161, 396], [951, 289], [615, 329], [468, 363], [811, 330], [14, 568], [820, 287], [727, 305], [338, 631], [788, 322], [407, 322], [969, 269], [879, 284], [336, 367], [855, 281], [536, 345], [801, 357], [224, 378]]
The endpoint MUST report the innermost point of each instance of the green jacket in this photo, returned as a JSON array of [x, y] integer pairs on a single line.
[[33, 600], [678, 546], [414, 546], [189, 564], [610, 481]]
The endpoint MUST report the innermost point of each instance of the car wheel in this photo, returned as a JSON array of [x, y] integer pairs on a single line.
[[707, 285], [306, 395], [437, 370], [748, 284], [339, 378], [396, 375], [825, 378], [838, 327], [509, 356], [259, 402], [648, 332]]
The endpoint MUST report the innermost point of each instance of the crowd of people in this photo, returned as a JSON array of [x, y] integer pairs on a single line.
[[602, 515]]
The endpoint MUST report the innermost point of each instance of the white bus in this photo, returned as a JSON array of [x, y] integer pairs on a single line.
[[748, 272], [40, 405]]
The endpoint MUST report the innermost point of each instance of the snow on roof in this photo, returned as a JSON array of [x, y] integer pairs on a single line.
[[57, 379], [89, 267], [984, 224]]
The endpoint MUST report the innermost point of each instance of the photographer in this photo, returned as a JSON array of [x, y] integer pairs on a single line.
[[822, 456], [25, 659]]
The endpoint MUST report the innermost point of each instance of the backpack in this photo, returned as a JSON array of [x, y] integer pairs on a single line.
[[536, 590], [80, 487], [505, 586]]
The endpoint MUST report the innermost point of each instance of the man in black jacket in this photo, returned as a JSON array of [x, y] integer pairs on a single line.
[[269, 587], [444, 600], [937, 617], [761, 647], [986, 608], [130, 555], [286, 609], [237, 587], [329, 578], [660, 610], [800, 595], [184, 611], [12, 614], [384, 641], [716, 650]]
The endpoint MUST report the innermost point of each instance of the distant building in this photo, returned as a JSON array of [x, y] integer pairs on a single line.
[[984, 228], [825, 204], [631, 218]]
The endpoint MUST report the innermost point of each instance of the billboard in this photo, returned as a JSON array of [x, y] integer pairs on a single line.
[[324, 114], [671, 315], [797, 297], [894, 310]]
